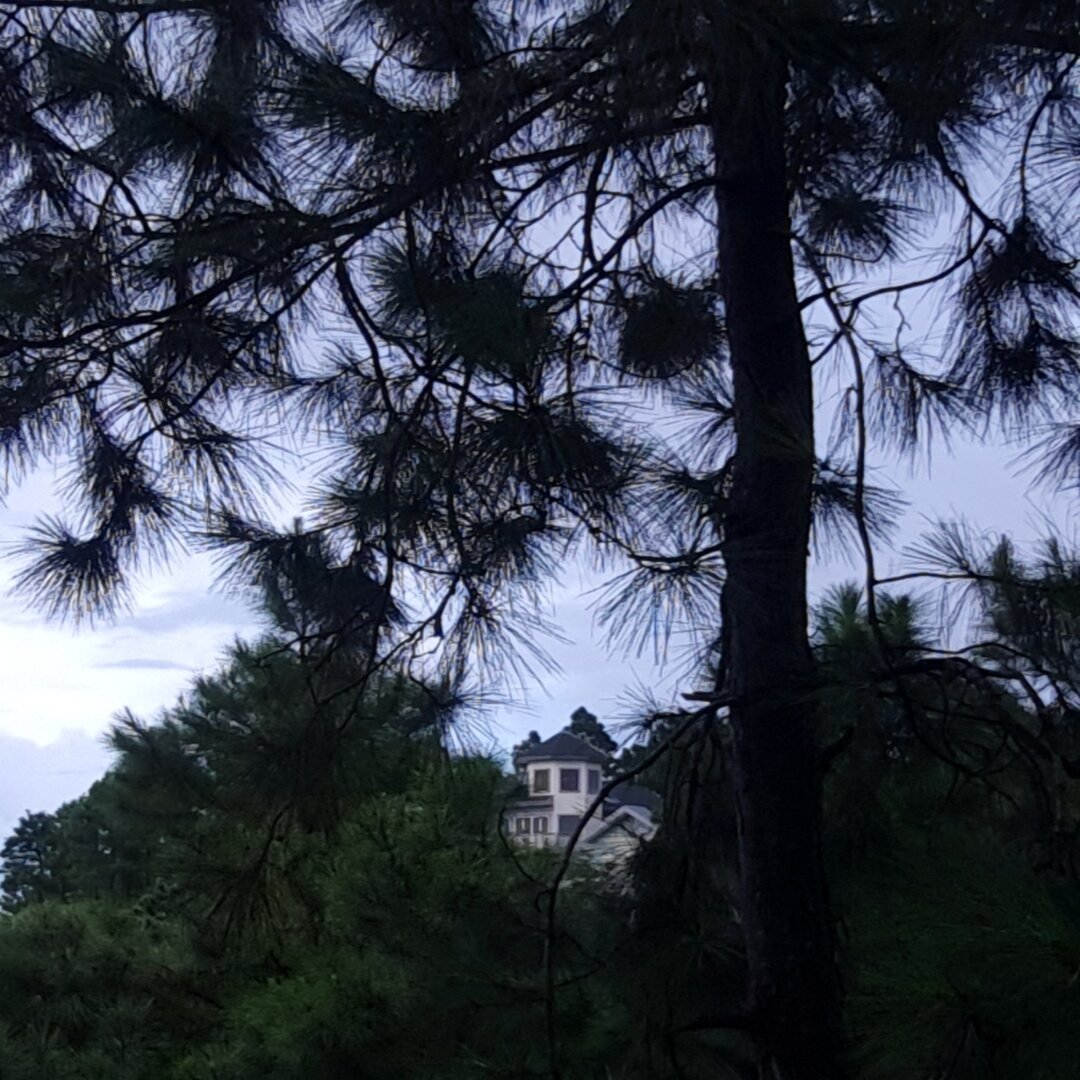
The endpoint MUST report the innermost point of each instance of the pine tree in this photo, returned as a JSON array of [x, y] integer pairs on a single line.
[[588, 726], [459, 239], [952, 835], [29, 861]]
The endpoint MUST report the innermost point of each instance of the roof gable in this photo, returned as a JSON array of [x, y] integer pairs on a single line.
[[565, 746], [626, 794], [622, 818]]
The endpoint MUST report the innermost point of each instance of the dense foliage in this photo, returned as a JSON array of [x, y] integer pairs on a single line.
[[228, 902], [232, 900]]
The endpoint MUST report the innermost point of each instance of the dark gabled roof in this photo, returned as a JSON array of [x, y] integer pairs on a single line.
[[633, 795], [618, 818], [563, 747]]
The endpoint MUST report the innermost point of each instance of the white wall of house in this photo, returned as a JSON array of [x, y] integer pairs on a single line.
[[620, 838], [571, 786]]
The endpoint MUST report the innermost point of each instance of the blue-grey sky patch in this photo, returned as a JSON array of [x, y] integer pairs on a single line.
[[15, 615], [144, 663], [186, 612], [35, 777]]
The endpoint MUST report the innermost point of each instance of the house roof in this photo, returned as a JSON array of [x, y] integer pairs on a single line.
[[563, 747], [634, 795], [622, 817]]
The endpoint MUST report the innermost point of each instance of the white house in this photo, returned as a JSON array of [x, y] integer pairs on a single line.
[[563, 775]]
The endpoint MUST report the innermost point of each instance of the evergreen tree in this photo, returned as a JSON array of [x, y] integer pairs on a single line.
[[472, 204], [96, 990], [29, 857], [952, 840], [399, 934], [91, 847], [526, 744], [403, 935], [584, 724]]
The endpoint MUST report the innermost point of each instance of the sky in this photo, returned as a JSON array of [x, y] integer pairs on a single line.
[[61, 687]]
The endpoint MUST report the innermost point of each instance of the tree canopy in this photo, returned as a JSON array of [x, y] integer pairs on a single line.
[[210, 923], [482, 253]]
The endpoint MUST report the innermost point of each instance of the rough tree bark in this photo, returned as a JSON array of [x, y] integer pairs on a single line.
[[768, 668]]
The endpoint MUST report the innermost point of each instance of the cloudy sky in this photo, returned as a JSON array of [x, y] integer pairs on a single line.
[[61, 687]]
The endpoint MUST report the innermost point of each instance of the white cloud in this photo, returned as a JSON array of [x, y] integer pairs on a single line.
[[56, 678]]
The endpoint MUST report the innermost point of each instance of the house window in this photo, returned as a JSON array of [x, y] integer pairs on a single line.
[[522, 826], [568, 823], [540, 824], [569, 780], [594, 781], [541, 781]]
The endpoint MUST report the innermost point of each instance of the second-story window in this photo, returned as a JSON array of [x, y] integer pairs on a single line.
[[541, 781], [594, 781], [569, 780]]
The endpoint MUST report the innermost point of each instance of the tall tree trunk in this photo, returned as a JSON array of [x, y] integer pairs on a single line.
[[768, 669]]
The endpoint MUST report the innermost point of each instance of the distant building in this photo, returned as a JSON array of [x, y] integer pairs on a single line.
[[562, 777]]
